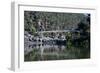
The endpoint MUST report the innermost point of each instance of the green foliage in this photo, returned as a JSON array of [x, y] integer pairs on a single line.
[[69, 40], [33, 30], [78, 43], [29, 21], [51, 20], [80, 40], [84, 39]]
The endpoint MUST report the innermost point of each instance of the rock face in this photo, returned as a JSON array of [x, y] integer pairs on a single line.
[[32, 42], [27, 42]]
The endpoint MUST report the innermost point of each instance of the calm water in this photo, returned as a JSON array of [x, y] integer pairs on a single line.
[[47, 51]]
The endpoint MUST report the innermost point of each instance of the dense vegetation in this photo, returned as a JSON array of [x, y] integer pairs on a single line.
[[77, 41], [81, 39], [51, 20]]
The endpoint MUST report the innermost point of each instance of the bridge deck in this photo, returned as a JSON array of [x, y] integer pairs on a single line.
[[55, 31]]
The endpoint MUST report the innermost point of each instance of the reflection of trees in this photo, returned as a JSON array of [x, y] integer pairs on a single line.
[[81, 39], [84, 39], [77, 43]]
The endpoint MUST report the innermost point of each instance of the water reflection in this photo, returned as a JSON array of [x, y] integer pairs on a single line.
[[45, 51]]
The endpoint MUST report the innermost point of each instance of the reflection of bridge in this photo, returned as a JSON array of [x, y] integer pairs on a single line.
[[42, 40]]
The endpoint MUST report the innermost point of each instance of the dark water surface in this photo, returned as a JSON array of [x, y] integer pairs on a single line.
[[47, 51]]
